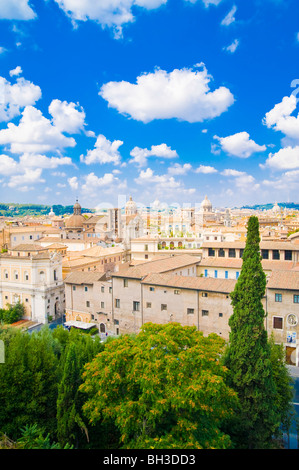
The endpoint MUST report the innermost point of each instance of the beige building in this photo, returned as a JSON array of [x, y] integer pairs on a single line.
[[282, 307], [89, 299], [33, 276]]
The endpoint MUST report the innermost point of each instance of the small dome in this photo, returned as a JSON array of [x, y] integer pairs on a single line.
[[131, 207], [206, 204]]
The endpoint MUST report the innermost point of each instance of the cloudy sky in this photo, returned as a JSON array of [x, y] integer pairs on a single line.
[[158, 99]]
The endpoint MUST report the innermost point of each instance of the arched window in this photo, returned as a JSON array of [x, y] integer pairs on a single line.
[[102, 328], [42, 276], [26, 276], [16, 275]]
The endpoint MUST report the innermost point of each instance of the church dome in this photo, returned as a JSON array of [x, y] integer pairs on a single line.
[[131, 207], [76, 220], [206, 204]]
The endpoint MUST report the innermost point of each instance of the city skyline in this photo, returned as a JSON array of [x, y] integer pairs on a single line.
[[158, 99]]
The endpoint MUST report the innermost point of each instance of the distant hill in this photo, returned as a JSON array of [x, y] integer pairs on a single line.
[[21, 210], [288, 205]]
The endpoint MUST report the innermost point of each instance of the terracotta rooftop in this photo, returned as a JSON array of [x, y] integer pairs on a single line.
[[81, 277], [158, 266], [288, 280], [194, 283], [28, 247]]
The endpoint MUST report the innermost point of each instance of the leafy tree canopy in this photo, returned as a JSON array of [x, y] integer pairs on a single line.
[[163, 388]]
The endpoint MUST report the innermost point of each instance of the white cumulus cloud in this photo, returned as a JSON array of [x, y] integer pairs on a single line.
[[66, 116], [16, 10], [34, 134], [104, 151], [280, 119], [181, 94], [239, 145], [15, 72], [205, 169], [286, 158], [15, 97], [140, 155], [73, 182], [110, 13]]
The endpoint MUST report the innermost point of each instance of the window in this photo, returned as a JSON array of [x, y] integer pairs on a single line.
[[265, 254], [190, 311], [87, 303], [55, 275], [215, 273], [277, 323], [102, 289], [221, 253], [204, 294], [163, 307], [6, 274], [288, 255], [148, 305], [241, 252], [110, 290], [177, 292], [237, 275], [278, 297], [226, 274], [275, 254], [145, 247], [136, 306], [16, 276], [117, 303], [102, 304], [211, 252], [232, 253], [125, 282], [206, 273], [26, 300], [220, 315], [145, 256], [26, 275], [296, 299], [74, 287], [86, 289], [204, 313], [30, 237], [152, 289]]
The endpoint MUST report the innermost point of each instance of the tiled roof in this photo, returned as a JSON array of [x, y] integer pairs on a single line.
[[194, 283], [28, 247], [284, 280], [158, 266], [80, 277]]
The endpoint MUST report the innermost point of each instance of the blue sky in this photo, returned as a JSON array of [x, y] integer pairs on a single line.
[[158, 99]]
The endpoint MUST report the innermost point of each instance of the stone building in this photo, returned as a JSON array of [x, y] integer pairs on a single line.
[[32, 275]]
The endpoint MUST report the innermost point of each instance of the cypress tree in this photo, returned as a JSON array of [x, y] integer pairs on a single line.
[[248, 355]]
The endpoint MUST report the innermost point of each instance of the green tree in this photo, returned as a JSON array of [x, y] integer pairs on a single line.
[[80, 349], [28, 378], [284, 385], [163, 388], [248, 356], [12, 313]]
